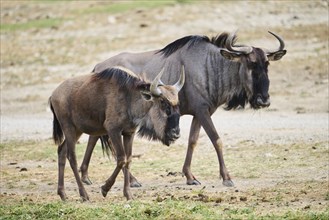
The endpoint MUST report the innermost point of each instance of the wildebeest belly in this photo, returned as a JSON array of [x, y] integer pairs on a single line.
[[91, 128], [90, 122]]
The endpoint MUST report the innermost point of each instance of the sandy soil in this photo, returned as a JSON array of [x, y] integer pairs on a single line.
[[35, 61]]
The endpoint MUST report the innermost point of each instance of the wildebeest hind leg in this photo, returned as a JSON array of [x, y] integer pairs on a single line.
[[86, 159], [71, 156], [133, 181], [61, 151], [193, 138]]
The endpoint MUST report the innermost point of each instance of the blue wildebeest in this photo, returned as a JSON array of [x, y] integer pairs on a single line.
[[113, 102], [217, 72]]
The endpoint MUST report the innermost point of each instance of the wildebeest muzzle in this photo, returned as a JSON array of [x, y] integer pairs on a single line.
[[172, 131]]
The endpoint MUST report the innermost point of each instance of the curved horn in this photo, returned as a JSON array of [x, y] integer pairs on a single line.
[[154, 85], [179, 85], [280, 40], [240, 49]]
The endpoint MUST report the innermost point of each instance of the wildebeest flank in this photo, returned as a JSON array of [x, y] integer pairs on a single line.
[[115, 102], [217, 72]]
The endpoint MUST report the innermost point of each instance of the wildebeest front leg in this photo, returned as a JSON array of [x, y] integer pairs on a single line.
[[206, 122], [86, 159], [128, 142], [121, 161], [193, 138]]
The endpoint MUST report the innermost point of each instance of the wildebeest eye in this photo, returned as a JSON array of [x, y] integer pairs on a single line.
[[168, 111], [165, 107]]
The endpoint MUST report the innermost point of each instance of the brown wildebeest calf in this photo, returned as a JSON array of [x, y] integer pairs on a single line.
[[114, 102]]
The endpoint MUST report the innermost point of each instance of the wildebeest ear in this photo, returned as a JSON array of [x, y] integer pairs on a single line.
[[146, 95], [144, 89], [276, 55], [234, 56]]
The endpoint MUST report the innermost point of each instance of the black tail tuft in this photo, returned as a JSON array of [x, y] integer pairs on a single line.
[[58, 135], [107, 146]]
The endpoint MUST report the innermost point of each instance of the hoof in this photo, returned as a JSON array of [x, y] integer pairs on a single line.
[[103, 191], [193, 182], [84, 199], [63, 195], [83, 194], [135, 184], [228, 183], [87, 181], [128, 196]]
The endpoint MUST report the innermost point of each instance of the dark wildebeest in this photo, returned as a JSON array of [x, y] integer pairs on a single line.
[[113, 102], [217, 72]]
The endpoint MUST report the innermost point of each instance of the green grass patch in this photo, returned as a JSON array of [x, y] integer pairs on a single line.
[[300, 215], [38, 24], [38, 150], [29, 150], [168, 209], [124, 6]]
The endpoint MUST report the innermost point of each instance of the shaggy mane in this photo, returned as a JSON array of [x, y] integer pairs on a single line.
[[219, 41], [124, 78]]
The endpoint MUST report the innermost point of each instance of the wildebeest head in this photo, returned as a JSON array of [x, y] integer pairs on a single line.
[[162, 122], [254, 69]]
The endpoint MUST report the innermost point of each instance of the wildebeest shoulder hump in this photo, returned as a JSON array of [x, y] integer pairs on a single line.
[[177, 44], [122, 77]]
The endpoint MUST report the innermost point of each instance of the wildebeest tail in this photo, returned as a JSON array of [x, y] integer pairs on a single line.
[[107, 146], [58, 135]]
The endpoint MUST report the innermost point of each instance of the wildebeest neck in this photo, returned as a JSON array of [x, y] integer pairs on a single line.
[[224, 83]]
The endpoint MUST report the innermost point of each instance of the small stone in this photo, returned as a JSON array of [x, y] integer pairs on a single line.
[[243, 198], [307, 207]]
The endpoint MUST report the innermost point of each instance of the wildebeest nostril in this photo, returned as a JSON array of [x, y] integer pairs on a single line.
[[175, 133], [263, 102]]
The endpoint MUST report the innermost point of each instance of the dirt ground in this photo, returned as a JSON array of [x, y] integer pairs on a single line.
[[289, 139]]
